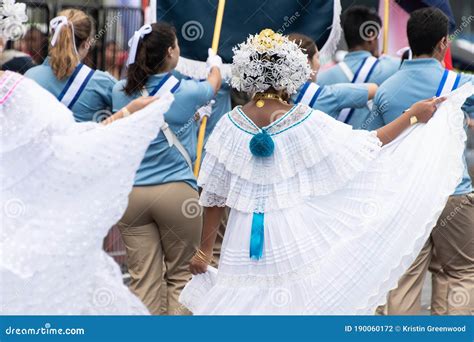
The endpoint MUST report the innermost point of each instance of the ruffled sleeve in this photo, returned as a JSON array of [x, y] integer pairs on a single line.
[[314, 155]]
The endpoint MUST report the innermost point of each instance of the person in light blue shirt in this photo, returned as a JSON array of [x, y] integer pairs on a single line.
[[162, 224], [417, 78], [161, 163], [221, 105], [330, 99], [385, 68], [361, 27], [87, 92], [453, 237]]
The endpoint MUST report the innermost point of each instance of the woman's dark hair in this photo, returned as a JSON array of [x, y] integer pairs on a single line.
[[425, 28], [357, 23], [405, 56], [305, 42], [151, 56]]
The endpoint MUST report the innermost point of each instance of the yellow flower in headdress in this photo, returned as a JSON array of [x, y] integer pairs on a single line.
[[268, 39]]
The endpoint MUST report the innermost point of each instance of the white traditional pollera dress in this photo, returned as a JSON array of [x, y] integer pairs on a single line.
[[64, 184], [341, 218]]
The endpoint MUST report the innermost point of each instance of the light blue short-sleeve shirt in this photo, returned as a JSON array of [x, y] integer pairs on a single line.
[[417, 79], [333, 98], [94, 102], [386, 67], [164, 164], [221, 106]]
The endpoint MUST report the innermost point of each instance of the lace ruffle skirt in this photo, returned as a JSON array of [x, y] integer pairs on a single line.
[[340, 253]]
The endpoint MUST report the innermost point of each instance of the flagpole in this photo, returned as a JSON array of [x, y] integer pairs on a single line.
[[386, 18], [215, 45]]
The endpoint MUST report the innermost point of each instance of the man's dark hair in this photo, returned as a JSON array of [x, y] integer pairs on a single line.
[[358, 23], [425, 28]]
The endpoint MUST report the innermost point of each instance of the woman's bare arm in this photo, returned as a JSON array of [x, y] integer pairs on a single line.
[[422, 110], [372, 88], [212, 220], [131, 108]]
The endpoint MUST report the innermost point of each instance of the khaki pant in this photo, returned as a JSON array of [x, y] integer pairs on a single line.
[[161, 228], [449, 255]]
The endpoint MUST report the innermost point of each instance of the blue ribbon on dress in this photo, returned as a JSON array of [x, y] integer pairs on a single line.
[[256, 236]]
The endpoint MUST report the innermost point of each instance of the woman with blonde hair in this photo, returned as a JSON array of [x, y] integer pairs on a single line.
[[86, 92]]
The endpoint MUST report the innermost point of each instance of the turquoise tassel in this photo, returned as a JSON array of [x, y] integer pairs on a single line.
[[256, 236], [262, 145]]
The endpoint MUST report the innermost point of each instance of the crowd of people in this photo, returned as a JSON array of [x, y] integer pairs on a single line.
[[294, 166]]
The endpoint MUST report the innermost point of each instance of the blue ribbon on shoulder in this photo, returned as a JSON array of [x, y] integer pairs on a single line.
[[256, 236]]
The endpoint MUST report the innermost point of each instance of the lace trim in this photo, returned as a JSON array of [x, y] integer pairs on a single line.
[[302, 166], [320, 137], [267, 281], [209, 199], [8, 83], [295, 115], [241, 123]]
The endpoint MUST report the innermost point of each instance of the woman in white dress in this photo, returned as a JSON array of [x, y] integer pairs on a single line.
[[324, 220], [64, 184]]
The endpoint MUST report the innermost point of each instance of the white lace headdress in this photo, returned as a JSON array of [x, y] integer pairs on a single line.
[[12, 17], [269, 60]]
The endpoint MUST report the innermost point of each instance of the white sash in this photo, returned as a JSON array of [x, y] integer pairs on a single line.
[[309, 94], [361, 76], [174, 141], [75, 85], [363, 73], [449, 82], [346, 70], [171, 84]]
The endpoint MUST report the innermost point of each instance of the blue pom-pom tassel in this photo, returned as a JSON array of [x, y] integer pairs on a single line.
[[262, 145]]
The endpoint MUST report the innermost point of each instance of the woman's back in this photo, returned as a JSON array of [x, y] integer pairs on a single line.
[[94, 101], [162, 163], [86, 92], [264, 116]]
